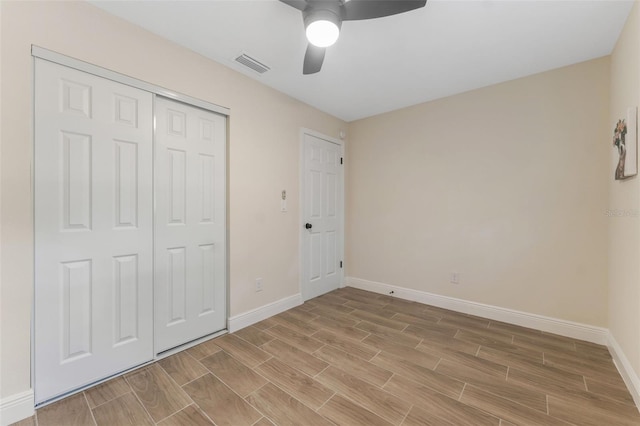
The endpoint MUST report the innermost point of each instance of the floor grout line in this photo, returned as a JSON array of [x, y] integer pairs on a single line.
[[86, 400]]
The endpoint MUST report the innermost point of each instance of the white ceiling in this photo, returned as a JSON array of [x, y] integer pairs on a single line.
[[378, 65]]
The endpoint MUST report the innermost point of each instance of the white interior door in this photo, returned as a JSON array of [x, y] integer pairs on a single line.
[[93, 228], [322, 240], [190, 227]]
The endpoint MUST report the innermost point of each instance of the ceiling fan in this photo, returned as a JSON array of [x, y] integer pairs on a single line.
[[323, 19]]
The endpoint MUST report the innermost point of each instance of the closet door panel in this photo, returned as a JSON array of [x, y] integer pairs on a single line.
[[93, 228], [190, 247]]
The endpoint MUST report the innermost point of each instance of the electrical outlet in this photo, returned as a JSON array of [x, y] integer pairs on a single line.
[[258, 284], [455, 278]]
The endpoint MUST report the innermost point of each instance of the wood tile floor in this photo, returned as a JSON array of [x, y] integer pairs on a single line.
[[352, 357]]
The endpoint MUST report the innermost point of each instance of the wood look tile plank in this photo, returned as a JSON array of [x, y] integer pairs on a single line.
[[356, 366], [295, 324], [419, 417], [466, 368], [415, 356], [264, 324], [220, 403], [254, 335], [465, 322], [506, 409], [160, 395], [70, 411], [332, 300], [584, 413], [351, 346], [391, 336], [483, 337], [373, 318], [182, 367], [384, 404], [300, 341], [343, 412], [242, 350], [617, 393], [301, 315], [294, 357], [437, 403], [283, 409], [331, 314], [408, 307], [380, 311], [445, 345], [510, 359], [204, 349], [424, 319], [124, 410], [430, 331], [233, 373], [509, 348], [339, 328], [513, 329], [515, 392], [544, 343], [362, 298], [294, 382], [107, 391], [548, 379], [593, 350], [425, 376], [581, 367], [188, 416]]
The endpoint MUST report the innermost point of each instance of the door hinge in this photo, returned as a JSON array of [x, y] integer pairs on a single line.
[[340, 160], [341, 263]]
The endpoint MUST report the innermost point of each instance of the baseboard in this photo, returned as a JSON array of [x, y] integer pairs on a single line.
[[575, 330], [627, 372], [16, 407], [248, 318]]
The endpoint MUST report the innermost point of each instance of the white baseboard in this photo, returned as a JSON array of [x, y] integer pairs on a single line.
[[16, 407], [248, 318], [627, 372], [572, 329]]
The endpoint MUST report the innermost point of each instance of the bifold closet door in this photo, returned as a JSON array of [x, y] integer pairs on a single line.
[[190, 245], [93, 228]]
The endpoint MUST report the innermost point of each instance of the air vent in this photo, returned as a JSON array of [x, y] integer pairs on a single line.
[[255, 65]]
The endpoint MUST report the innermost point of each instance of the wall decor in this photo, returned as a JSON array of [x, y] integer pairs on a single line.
[[625, 139]]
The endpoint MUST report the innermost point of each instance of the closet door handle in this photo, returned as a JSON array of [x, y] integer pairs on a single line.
[[308, 226]]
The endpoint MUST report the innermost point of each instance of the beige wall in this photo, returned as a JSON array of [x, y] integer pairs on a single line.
[[263, 151], [506, 185], [624, 197]]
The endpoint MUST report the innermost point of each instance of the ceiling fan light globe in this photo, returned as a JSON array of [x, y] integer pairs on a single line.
[[322, 33]]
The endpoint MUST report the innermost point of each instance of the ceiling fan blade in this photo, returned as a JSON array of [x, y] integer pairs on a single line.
[[355, 10], [298, 4], [313, 59]]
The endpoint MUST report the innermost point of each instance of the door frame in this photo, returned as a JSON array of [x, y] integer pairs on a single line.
[[301, 216], [41, 53]]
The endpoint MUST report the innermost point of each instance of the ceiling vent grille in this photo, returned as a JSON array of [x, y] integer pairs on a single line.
[[255, 65]]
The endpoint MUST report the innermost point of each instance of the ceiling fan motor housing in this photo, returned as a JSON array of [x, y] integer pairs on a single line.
[[327, 11]]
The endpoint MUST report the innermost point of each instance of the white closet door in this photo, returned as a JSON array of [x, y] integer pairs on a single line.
[[93, 229], [190, 247]]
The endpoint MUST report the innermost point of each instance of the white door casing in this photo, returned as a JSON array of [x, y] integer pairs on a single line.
[[322, 210], [93, 228], [190, 223]]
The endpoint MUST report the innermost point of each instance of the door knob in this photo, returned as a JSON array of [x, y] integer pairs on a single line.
[[308, 226]]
